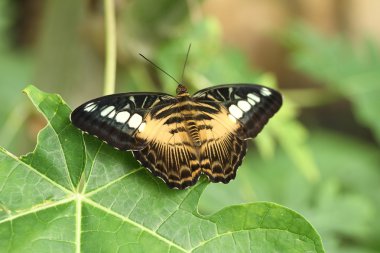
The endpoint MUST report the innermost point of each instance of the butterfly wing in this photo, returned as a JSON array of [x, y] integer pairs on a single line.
[[222, 148], [170, 153], [251, 105], [116, 119], [243, 110]]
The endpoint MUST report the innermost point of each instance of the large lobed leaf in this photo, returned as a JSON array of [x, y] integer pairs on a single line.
[[75, 194]]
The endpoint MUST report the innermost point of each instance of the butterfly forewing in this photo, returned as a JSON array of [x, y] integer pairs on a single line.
[[178, 138], [251, 105], [117, 118]]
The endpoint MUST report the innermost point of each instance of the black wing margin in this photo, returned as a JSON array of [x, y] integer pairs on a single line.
[[250, 104], [116, 118]]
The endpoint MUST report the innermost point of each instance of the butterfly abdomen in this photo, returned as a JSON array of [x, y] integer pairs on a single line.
[[193, 131]]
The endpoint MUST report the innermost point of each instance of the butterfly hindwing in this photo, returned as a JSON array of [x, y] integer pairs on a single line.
[[117, 118], [251, 105]]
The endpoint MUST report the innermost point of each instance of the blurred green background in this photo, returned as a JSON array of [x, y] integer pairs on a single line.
[[319, 155]]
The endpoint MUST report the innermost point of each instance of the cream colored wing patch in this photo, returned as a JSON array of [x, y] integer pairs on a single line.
[[222, 150], [170, 153]]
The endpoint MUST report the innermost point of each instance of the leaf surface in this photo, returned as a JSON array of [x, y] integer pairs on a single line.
[[75, 194]]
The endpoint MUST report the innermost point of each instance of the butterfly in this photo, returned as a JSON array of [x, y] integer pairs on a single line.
[[180, 137]]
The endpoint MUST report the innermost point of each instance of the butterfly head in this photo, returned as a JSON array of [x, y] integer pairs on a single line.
[[181, 90]]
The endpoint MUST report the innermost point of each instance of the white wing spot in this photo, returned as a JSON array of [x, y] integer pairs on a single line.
[[244, 105], [122, 117], [107, 110], [265, 92], [112, 114], [90, 107], [135, 121], [142, 127], [235, 111], [89, 104], [251, 101], [254, 97], [127, 106]]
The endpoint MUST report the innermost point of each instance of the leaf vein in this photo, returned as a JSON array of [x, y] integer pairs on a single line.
[[151, 232], [37, 209]]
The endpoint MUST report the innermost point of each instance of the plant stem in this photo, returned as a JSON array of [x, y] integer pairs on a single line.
[[110, 52]]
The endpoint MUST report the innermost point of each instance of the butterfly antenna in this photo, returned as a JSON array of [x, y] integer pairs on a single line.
[[155, 65], [184, 65]]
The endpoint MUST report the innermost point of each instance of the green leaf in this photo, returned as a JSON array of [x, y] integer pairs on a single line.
[[75, 194], [343, 205], [62, 162], [335, 62]]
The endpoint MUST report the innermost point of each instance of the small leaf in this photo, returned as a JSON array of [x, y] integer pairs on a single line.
[[76, 194]]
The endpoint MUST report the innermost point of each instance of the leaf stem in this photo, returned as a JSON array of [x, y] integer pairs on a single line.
[[110, 50]]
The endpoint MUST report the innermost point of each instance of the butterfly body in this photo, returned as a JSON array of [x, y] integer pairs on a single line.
[[180, 137]]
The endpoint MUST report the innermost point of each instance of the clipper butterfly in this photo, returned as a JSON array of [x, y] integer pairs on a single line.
[[180, 137]]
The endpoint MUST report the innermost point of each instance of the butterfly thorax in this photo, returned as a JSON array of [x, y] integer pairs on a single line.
[[182, 91]]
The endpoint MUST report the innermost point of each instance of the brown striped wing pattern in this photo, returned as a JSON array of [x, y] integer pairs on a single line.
[[170, 152], [179, 138], [243, 111], [222, 148]]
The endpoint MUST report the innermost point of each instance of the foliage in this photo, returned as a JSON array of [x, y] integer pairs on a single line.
[[349, 167], [351, 71], [343, 204], [329, 177], [74, 193]]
